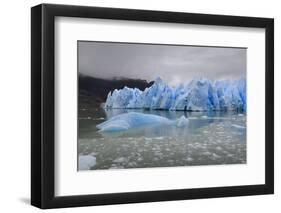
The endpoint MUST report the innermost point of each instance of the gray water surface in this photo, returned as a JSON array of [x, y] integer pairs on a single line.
[[210, 138]]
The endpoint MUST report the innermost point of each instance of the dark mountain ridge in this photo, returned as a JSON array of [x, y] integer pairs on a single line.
[[99, 88]]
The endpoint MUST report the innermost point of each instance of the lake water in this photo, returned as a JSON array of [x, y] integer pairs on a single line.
[[210, 138]]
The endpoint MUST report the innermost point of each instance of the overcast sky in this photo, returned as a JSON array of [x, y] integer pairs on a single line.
[[174, 64]]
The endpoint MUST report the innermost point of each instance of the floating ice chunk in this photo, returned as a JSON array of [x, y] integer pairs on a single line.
[[219, 148], [134, 119], [189, 159], [215, 156], [119, 160], [130, 120], [158, 138], [238, 126], [182, 121], [114, 125], [86, 162]]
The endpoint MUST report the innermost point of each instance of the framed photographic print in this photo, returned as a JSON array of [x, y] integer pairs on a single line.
[[139, 106]]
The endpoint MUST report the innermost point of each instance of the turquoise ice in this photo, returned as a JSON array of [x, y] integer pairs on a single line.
[[132, 120], [197, 95]]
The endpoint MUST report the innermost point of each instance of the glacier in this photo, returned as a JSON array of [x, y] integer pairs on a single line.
[[198, 95], [131, 120]]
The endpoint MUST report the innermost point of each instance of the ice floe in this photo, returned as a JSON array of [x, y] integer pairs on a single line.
[[85, 162], [131, 120]]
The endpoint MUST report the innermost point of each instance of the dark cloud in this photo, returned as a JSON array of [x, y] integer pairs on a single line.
[[174, 64]]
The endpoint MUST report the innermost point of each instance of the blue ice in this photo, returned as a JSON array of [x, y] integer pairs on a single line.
[[131, 120], [198, 95]]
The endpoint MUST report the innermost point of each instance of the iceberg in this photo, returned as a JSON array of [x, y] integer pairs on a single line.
[[198, 95], [131, 120], [86, 162]]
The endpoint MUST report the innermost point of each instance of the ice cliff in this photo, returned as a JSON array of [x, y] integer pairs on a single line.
[[197, 95]]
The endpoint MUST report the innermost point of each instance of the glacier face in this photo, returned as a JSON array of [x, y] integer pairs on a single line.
[[197, 95]]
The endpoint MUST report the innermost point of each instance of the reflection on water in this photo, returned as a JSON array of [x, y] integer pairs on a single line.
[[210, 138]]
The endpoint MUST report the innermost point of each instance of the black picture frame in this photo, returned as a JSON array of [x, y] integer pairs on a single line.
[[43, 102]]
